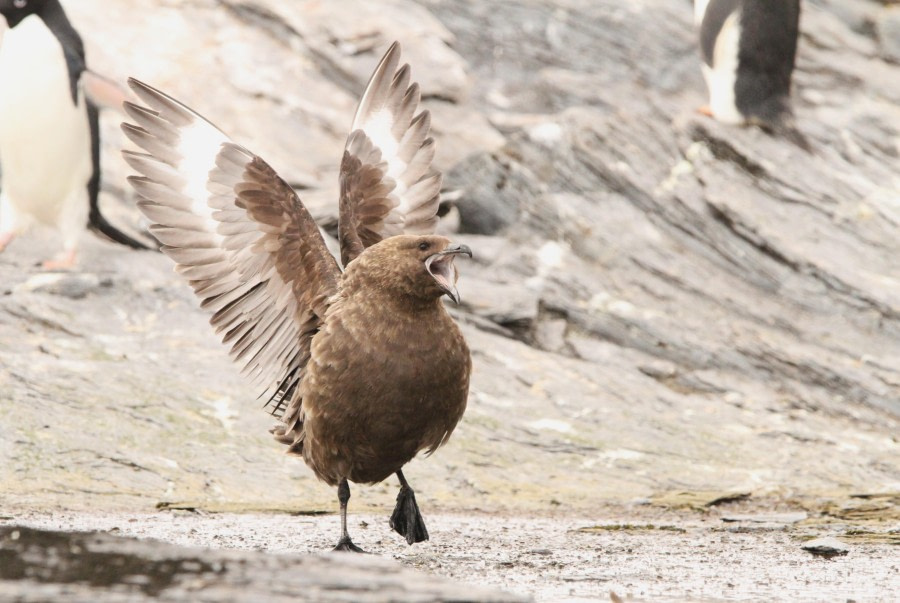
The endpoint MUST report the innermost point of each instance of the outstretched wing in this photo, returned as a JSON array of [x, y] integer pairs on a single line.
[[238, 233], [388, 186]]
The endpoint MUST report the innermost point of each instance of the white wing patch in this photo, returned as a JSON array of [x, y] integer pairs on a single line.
[[378, 128], [199, 146]]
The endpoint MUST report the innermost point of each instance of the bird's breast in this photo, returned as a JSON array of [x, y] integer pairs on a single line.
[[380, 387], [41, 130], [405, 351], [33, 72]]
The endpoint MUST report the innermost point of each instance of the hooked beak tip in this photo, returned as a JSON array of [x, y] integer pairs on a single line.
[[457, 248]]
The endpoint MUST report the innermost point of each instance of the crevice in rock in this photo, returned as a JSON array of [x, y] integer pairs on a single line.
[[747, 234], [264, 19], [725, 151]]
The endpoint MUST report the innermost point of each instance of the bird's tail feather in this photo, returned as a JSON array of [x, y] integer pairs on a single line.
[[777, 118], [789, 131]]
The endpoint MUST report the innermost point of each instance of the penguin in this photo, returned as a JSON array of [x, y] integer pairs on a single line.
[[49, 130], [748, 49]]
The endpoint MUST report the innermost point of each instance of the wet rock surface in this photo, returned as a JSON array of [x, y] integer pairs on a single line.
[[661, 309]]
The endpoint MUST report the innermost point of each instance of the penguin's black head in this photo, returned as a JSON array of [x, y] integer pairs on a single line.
[[15, 11]]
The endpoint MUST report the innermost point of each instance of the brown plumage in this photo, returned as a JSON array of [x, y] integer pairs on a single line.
[[365, 368]]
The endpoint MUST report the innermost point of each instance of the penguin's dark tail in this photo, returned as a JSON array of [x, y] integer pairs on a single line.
[[786, 128], [777, 118], [796, 136], [98, 224]]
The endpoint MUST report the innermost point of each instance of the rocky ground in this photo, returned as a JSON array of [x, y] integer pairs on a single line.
[[664, 312], [640, 554]]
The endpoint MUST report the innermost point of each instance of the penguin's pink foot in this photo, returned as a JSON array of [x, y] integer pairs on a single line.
[[705, 110], [5, 239], [63, 261]]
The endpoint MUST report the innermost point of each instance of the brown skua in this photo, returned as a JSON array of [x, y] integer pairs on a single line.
[[365, 368]]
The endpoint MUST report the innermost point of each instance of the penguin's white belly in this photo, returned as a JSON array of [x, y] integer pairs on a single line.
[[699, 10], [721, 77], [45, 143]]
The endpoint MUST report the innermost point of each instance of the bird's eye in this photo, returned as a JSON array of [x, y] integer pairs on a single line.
[[424, 245]]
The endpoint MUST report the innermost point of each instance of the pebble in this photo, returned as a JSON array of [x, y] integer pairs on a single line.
[[826, 547], [71, 285]]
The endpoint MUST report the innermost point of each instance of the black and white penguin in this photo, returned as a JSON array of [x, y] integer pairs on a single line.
[[49, 129], [748, 49]]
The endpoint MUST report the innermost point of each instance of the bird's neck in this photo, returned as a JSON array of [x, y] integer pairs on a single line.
[[388, 306], [367, 287], [406, 304]]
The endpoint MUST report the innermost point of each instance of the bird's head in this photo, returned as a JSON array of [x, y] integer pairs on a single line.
[[16, 10], [420, 267]]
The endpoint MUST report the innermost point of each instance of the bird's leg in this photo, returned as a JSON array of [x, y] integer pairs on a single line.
[[345, 544], [406, 519], [6, 238], [63, 261], [705, 110]]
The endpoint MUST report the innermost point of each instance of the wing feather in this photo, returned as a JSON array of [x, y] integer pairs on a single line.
[[388, 184], [240, 236]]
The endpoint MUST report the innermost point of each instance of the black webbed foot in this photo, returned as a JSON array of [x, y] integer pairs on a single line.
[[406, 519], [346, 545]]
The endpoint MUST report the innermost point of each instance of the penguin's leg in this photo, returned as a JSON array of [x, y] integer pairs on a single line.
[[71, 221], [62, 261], [707, 77], [6, 237]]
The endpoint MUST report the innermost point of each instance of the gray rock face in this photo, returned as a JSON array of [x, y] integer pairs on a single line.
[[658, 302], [490, 190], [888, 29]]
